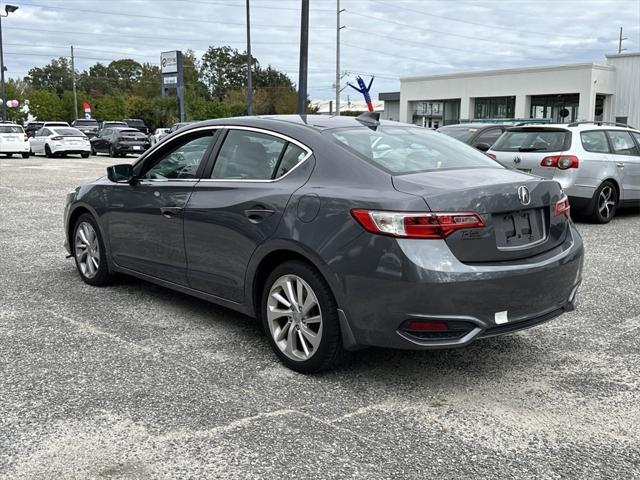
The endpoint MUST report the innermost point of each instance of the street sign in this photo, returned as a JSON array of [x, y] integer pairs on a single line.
[[169, 62]]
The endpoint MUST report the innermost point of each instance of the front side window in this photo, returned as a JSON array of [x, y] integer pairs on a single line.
[[533, 140], [595, 141], [248, 155], [400, 150], [622, 143], [182, 159]]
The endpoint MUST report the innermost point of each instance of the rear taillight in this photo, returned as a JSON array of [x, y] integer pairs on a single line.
[[57, 138], [26, 138], [416, 225], [492, 155], [563, 162], [562, 207]]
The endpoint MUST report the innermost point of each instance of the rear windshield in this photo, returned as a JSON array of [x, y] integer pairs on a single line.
[[131, 134], [11, 129], [463, 134], [86, 123], [533, 140], [400, 150], [68, 132], [138, 123]]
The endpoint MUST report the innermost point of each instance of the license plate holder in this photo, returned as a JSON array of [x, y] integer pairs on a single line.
[[520, 229]]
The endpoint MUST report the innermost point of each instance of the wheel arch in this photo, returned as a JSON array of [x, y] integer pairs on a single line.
[[75, 213]]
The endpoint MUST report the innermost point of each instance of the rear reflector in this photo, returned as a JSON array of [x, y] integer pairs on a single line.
[[416, 225], [427, 326], [563, 162], [562, 207]]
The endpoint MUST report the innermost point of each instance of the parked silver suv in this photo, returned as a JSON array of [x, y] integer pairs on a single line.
[[596, 163]]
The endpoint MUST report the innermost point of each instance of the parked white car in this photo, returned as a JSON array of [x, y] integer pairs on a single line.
[[52, 141], [158, 134], [13, 140], [596, 163]]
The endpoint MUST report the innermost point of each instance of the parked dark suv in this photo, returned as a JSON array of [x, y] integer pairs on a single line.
[[88, 126], [119, 141], [137, 124], [32, 128], [478, 135]]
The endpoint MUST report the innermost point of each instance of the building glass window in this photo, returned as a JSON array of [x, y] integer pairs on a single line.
[[494, 107], [557, 108]]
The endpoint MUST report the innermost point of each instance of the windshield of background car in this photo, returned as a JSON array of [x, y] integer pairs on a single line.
[[400, 150], [11, 129], [533, 140], [463, 134], [132, 134], [68, 132]]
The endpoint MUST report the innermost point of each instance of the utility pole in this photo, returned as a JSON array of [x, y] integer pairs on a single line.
[[7, 10], [620, 39], [73, 77], [249, 75], [304, 58], [338, 28]]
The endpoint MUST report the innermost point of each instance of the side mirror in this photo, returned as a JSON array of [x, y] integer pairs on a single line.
[[122, 173], [483, 147]]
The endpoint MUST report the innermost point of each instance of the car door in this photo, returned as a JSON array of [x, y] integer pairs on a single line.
[[39, 140], [238, 205], [626, 155], [145, 218], [98, 140]]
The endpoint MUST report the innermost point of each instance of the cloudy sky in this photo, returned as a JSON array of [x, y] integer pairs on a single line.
[[388, 38]]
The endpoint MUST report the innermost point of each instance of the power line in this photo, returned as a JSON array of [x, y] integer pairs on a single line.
[[154, 17], [395, 55]]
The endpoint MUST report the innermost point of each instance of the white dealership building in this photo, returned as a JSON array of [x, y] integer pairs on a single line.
[[561, 93]]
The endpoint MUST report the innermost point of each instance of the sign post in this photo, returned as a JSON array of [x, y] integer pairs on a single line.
[[172, 77]]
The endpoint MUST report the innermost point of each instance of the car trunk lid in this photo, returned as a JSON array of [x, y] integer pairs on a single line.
[[517, 225]]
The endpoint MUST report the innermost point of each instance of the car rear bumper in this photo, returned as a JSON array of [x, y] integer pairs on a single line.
[[14, 147], [70, 149], [126, 149], [418, 280]]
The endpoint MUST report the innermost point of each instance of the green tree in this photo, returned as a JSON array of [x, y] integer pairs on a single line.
[[55, 76], [224, 69], [46, 105], [110, 107]]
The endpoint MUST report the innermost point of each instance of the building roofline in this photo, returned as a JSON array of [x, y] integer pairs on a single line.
[[619, 55], [508, 71]]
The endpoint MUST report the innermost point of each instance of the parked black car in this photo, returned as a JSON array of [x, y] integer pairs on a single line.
[[119, 141], [137, 124], [32, 128], [478, 135], [88, 126]]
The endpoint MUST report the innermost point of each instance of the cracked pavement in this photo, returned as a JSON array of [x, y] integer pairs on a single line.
[[136, 381]]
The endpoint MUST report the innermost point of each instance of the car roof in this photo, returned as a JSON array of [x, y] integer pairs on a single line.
[[125, 129], [472, 125], [575, 127]]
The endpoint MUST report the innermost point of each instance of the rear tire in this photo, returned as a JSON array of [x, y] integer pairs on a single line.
[[93, 151], [112, 152], [8, 155], [84, 154], [305, 336], [26, 155], [89, 252], [605, 203], [47, 151]]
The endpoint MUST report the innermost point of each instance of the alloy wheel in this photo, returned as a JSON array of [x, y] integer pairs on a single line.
[[87, 249], [294, 317], [606, 201]]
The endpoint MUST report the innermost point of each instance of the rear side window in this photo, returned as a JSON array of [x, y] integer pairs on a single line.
[[622, 143], [595, 141], [489, 137], [248, 155], [293, 155], [533, 140], [636, 135]]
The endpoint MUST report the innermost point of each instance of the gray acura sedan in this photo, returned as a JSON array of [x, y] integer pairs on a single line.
[[336, 232]]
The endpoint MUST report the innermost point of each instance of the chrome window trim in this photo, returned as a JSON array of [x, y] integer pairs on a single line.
[[264, 131]]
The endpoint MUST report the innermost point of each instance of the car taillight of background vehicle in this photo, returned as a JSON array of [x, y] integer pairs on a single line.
[[491, 155], [563, 162], [416, 225], [26, 137], [57, 138], [562, 207]]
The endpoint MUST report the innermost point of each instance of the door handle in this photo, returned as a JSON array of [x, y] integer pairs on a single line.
[[258, 214], [170, 212], [620, 165]]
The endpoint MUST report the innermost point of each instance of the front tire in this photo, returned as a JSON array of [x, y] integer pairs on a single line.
[[605, 203], [89, 252], [300, 318]]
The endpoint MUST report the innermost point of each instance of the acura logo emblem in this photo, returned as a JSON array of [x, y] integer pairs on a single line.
[[517, 159], [524, 195]]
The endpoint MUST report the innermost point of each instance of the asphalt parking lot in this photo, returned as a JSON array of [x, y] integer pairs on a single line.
[[136, 381]]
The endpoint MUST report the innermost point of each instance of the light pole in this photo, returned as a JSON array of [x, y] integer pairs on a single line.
[[7, 9]]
